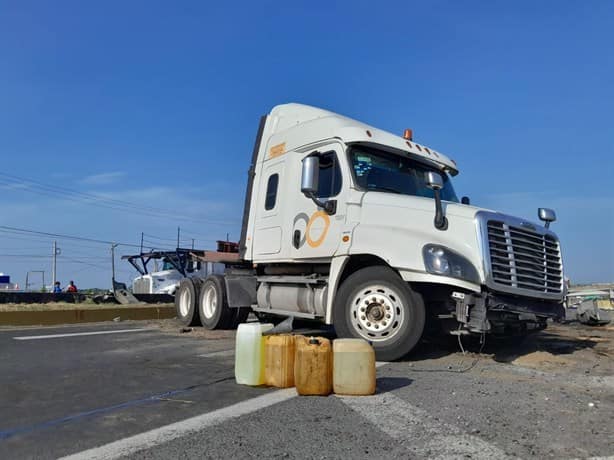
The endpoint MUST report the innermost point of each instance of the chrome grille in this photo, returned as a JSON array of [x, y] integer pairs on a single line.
[[142, 286], [524, 259]]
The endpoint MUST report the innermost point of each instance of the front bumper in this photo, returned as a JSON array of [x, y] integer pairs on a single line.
[[488, 312]]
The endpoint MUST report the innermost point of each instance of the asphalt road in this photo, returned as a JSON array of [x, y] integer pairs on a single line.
[[147, 391]]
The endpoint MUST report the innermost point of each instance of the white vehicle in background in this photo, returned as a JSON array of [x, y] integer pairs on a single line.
[[164, 281], [6, 285], [356, 227], [175, 266]]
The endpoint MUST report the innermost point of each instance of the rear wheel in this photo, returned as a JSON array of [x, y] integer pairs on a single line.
[[377, 305], [213, 306], [185, 302], [240, 316]]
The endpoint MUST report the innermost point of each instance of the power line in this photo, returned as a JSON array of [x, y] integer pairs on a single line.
[[41, 188], [159, 237], [198, 236], [25, 255], [31, 248], [23, 237], [77, 261], [20, 231]]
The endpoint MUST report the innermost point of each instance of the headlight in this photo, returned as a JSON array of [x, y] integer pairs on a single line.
[[440, 260]]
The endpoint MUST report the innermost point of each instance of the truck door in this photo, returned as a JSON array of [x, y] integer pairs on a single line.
[[316, 234], [268, 228]]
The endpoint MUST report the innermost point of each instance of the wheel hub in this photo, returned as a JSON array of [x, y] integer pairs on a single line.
[[209, 302], [185, 301], [377, 313]]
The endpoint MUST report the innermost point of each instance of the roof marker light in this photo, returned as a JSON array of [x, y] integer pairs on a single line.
[[408, 134]]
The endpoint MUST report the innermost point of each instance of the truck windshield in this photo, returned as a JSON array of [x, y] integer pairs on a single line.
[[166, 265], [387, 172]]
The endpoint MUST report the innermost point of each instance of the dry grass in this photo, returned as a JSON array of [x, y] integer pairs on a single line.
[[59, 306]]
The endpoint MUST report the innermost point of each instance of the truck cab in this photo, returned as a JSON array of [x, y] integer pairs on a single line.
[[362, 229], [170, 268]]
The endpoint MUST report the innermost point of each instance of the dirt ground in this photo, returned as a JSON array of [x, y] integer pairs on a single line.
[[570, 348], [562, 348]]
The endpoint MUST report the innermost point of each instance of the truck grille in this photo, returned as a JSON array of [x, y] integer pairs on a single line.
[[524, 259], [141, 286]]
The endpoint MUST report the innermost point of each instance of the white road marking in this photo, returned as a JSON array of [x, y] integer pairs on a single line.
[[75, 334], [417, 431], [157, 436], [214, 354]]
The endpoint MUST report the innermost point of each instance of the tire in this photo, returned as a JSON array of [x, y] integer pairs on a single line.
[[212, 304], [185, 302], [240, 316], [375, 304]]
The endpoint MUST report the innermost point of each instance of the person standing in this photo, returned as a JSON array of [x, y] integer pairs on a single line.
[[71, 287], [57, 288]]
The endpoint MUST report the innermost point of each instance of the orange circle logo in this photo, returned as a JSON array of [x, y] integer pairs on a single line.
[[317, 215]]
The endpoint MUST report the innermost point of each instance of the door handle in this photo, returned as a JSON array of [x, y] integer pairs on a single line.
[[296, 238]]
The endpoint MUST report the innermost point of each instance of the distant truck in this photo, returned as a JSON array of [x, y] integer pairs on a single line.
[[170, 267], [362, 229]]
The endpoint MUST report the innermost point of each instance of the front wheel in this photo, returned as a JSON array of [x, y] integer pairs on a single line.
[[375, 304]]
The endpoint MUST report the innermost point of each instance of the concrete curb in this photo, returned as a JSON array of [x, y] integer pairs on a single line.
[[84, 315]]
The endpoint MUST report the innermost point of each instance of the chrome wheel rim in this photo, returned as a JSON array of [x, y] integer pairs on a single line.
[[185, 301], [377, 313], [209, 303]]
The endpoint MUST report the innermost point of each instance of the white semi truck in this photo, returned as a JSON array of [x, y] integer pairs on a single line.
[[359, 228]]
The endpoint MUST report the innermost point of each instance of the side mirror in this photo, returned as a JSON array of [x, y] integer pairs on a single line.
[[547, 215], [434, 180], [310, 175], [310, 180], [465, 200]]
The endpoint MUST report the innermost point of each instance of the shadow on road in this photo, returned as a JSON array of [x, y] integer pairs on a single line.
[[386, 384]]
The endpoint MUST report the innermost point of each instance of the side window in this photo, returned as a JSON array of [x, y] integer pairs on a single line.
[[271, 192], [329, 183]]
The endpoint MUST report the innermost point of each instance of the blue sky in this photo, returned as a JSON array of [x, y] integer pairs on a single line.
[[157, 104]]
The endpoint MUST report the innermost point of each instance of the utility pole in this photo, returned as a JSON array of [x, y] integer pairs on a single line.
[[113, 246], [56, 251], [178, 235], [142, 234], [192, 244]]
